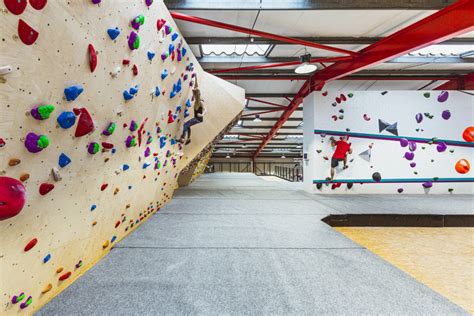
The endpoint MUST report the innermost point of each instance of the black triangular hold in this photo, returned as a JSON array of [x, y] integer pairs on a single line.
[[349, 185], [392, 129], [383, 125], [319, 186]]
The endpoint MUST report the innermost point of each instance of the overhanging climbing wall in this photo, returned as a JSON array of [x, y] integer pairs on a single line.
[[93, 95]]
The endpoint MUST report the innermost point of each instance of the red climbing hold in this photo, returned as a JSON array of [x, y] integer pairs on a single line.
[[45, 188], [12, 197], [38, 4], [103, 186], [31, 244], [468, 134], [16, 6], [107, 145], [125, 62], [135, 70], [160, 23], [27, 34], [65, 276], [92, 58], [325, 93], [117, 224], [85, 124], [76, 111]]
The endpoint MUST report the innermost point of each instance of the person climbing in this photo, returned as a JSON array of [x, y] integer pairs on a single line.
[[199, 112], [340, 154]]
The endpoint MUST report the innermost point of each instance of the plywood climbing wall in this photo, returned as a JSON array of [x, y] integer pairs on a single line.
[[94, 164]]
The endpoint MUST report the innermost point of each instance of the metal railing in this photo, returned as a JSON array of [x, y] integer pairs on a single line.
[[291, 174]]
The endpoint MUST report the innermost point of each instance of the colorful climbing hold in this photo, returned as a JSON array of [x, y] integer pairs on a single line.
[[150, 55], [66, 119], [64, 160], [45, 188], [73, 92], [30, 244], [26, 303], [18, 298], [419, 118], [47, 288], [160, 23], [27, 34], [42, 112], [468, 134], [446, 114], [462, 166], [47, 258], [427, 184], [133, 40], [409, 155], [65, 276], [93, 148], [12, 197], [93, 207], [138, 21], [35, 143], [110, 129], [441, 147]]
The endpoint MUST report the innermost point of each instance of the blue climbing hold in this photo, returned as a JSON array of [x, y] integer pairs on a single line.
[[162, 141], [73, 92], [134, 90], [164, 74], [151, 55], [113, 33], [173, 141], [157, 91], [172, 94], [129, 187], [178, 86], [188, 103], [183, 51], [125, 167], [93, 207], [127, 95], [186, 113], [178, 108], [174, 36], [114, 150], [46, 259], [146, 165], [64, 160], [170, 49], [113, 238], [66, 119]]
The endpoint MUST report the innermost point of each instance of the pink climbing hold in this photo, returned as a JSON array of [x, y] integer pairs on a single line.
[[27, 34], [45, 188], [85, 124], [12, 197]]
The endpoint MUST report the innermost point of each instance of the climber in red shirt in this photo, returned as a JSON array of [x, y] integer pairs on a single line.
[[340, 154]]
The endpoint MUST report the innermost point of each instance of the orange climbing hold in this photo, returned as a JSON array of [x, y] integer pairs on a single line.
[[24, 177], [468, 134], [47, 288], [462, 166], [14, 162]]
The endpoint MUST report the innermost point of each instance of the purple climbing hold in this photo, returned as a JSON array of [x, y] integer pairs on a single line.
[[446, 114], [443, 96], [441, 147], [36, 143], [93, 148], [427, 184], [409, 155], [400, 190], [148, 2], [413, 164], [42, 112], [96, 1], [133, 41], [412, 146], [147, 152], [133, 126], [419, 117], [403, 142]]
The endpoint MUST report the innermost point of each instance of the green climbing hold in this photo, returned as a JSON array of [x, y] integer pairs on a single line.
[[348, 129], [426, 94], [451, 150], [450, 190], [350, 95], [43, 141]]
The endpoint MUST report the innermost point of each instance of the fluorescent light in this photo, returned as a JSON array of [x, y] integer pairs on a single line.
[[227, 156], [306, 68], [283, 156], [257, 119]]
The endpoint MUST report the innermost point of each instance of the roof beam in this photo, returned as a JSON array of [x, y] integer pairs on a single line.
[[324, 40], [306, 4], [264, 108], [268, 95], [395, 76], [239, 29], [461, 83], [442, 25], [294, 61], [291, 119]]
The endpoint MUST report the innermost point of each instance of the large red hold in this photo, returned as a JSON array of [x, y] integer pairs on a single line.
[[38, 4], [85, 124], [16, 6], [468, 134], [28, 35], [12, 197]]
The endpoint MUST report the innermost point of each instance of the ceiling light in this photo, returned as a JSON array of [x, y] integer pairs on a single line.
[[306, 67], [257, 119], [299, 146], [244, 146], [283, 156], [227, 156]]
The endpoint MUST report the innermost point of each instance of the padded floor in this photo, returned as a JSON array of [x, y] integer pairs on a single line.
[[237, 244]]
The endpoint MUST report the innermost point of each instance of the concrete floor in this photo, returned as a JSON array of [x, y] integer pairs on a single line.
[[237, 244]]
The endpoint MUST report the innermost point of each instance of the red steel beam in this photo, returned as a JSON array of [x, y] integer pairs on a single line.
[[447, 23], [235, 28], [299, 78], [460, 83], [262, 112], [285, 64]]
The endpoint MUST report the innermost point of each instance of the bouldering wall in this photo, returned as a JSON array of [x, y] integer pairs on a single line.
[[93, 97], [402, 141]]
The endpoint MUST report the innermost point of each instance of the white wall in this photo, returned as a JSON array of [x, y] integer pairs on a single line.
[[388, 156]]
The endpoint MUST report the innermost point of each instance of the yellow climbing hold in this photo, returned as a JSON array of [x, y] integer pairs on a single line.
[[59, 270], [47, 288], [105, 244]]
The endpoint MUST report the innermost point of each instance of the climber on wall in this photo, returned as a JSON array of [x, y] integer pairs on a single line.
[[340, 153], [199, 112]]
